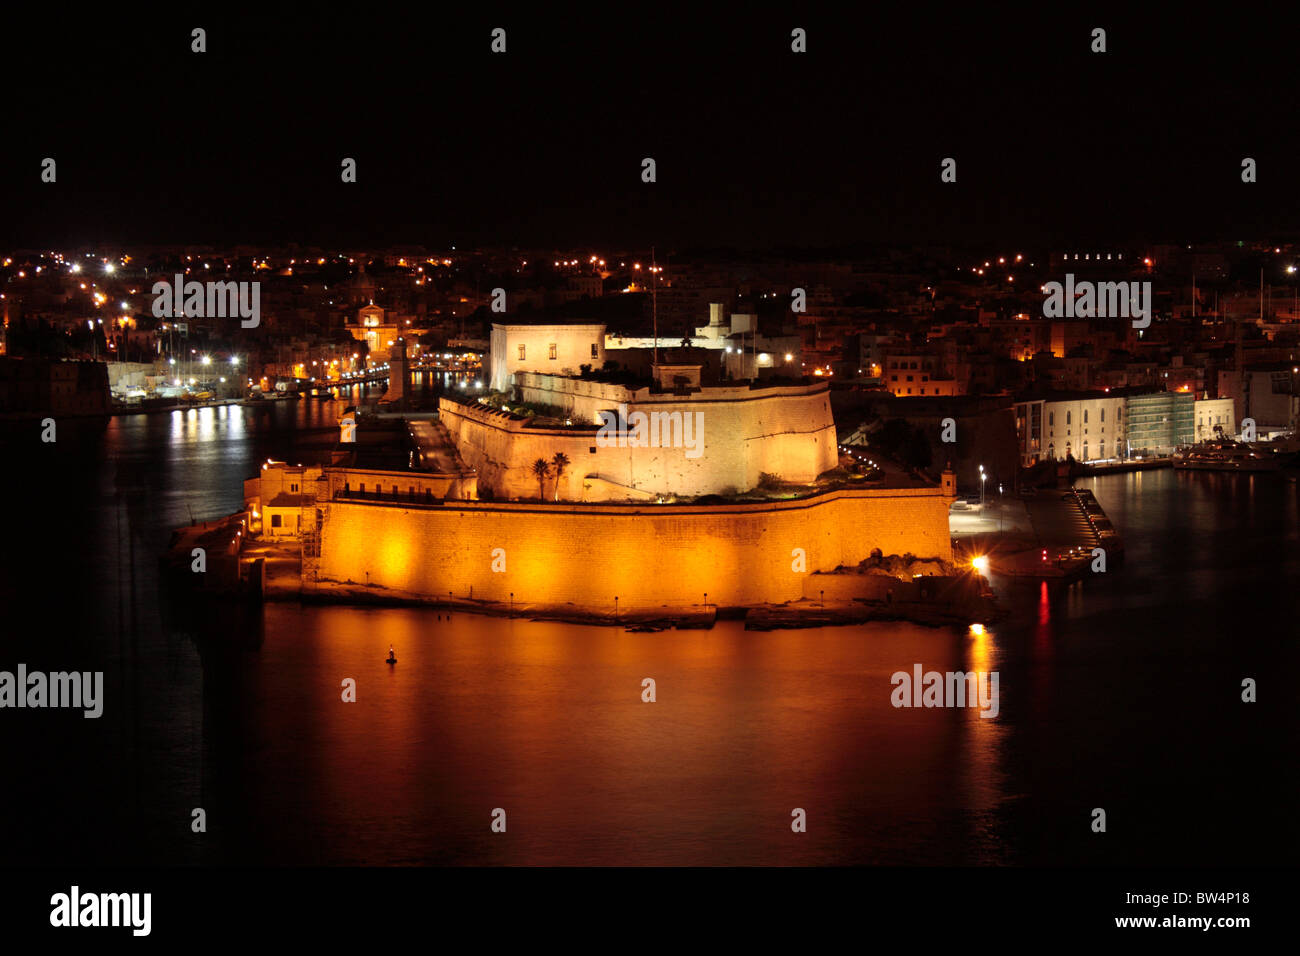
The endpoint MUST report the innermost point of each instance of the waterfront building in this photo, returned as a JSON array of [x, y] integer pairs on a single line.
[[281, 500], [1268, 392], [1085, 426], [1213, 415], [1159, 422]]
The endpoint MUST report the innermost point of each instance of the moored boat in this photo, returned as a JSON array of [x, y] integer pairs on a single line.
[[1224, 454]]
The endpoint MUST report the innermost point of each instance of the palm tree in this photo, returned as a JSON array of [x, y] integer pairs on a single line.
[[561, 462], [541, 468]]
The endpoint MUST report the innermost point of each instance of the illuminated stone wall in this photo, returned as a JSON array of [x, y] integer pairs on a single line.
[[737, 434], [650, 556]]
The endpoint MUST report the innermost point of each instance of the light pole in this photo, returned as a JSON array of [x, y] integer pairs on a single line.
[[982, 479]]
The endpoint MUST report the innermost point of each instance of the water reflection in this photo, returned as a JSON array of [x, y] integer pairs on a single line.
[[1107, 692]]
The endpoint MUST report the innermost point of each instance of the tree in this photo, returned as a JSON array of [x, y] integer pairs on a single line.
[[561, 462], [541, 468]]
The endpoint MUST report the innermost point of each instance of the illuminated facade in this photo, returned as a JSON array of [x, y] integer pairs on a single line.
[[531, 347], [378, 334]]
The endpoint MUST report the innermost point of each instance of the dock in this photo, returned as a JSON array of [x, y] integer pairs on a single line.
[[1050, 535]]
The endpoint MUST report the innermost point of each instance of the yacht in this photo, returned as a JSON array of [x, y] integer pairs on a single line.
[[1224, 454]]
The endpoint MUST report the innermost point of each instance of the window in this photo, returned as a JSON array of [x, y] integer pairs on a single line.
[[1103, 414], [522, 352], [1051, 419], [553, 351], [1068, 416], [591, 449], [293, 488], [594, 354], [275, 521], [1085, 416]]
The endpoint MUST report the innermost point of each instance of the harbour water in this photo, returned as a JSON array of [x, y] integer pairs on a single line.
[[1121, 692]]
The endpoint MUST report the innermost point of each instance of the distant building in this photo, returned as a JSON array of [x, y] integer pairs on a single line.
[[376, 331], [917, 373]]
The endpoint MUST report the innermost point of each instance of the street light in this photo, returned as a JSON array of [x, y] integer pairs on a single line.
[[982, 479]]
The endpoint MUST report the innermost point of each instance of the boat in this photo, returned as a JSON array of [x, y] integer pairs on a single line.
[[392, 658], [1224, 454]]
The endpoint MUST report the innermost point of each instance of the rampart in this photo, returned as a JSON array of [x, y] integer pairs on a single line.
[[581, 556]]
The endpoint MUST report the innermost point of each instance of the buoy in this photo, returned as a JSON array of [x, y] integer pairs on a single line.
[[392, 658]]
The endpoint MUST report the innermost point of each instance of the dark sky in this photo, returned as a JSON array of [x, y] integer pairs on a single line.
[[755, 145]]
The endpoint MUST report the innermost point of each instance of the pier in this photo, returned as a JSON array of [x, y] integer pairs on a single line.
[[1050, 534]]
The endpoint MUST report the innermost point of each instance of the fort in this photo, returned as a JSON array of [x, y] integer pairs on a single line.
[[762, 511]]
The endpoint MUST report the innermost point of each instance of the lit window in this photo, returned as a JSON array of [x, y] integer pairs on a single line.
[[522, 349], [553, 350]]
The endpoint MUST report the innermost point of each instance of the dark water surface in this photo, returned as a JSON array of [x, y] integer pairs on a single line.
[[1122, 692]]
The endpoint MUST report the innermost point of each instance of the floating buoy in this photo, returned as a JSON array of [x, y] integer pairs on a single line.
[[392, 658]]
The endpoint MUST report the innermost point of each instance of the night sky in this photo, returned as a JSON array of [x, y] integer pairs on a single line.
[[756, 146]]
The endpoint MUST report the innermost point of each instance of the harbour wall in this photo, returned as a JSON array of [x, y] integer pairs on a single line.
[[581, 556]]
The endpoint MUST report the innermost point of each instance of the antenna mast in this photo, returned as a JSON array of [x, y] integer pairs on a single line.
[[654, 302]]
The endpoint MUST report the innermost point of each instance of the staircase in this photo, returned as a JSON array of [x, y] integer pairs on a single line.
[[1071, 518]]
